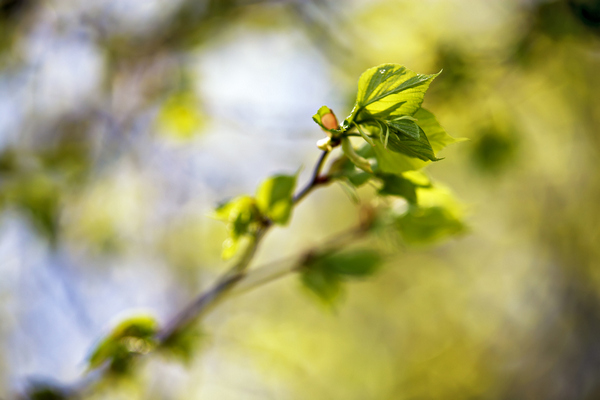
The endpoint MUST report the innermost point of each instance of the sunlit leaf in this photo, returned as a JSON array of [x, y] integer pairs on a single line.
[[274, 198], [389, 90], [240, 214], [437, 136]]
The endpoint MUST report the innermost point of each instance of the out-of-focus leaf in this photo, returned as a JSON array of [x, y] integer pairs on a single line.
[[389, 90], [436, 217], [183, 344], [274, 198], [240, 214], [39, 197], [8, 161], [396, 185], [132, 336], [325, 284], [343, 168], [46, 391], [180, 116], [323, 274], [495, 148], [356, 263]]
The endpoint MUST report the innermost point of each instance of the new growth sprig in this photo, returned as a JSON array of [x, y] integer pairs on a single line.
[[385, 141]]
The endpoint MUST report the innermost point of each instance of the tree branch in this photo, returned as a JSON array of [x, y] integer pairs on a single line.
[[237, 280], [231, 278]]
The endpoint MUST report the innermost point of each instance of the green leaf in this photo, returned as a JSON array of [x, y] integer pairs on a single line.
[[396, 185], [39, 196], [183, 344], [355, 264], [396, 163], [437, 216], [239, 213], [132, 336], [47, 391], [324, 274], [344, 169], [389, 90], [407, 137], [241, 216], [325, 284], [424, 225], [274, 198], [438, 138]]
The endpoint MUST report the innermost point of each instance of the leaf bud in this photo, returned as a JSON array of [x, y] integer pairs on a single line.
[[329, 121]]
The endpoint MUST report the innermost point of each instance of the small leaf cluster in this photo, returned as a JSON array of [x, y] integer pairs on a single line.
[[245, 215], [388, 115], [399, 139]]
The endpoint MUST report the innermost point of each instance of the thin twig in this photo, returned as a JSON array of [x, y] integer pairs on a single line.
[[316, 179], [230, 279], [200, 305]]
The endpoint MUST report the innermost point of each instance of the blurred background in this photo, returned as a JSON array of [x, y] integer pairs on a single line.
[[123, 123]]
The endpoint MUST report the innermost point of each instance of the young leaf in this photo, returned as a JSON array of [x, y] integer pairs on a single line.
[[396, 185], [240, 214], [436, 217], [132, 336], [325, 284], [183, 344], [389, 90], [396, 163], [407, 137], [355, 264], [424, 225], [324, 273], [344, 169], [437, 136], [274, 198]]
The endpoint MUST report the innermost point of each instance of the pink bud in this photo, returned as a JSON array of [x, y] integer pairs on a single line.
[[329, 121]]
